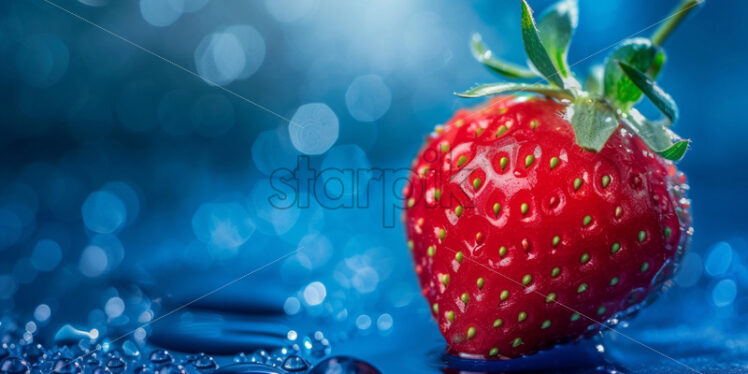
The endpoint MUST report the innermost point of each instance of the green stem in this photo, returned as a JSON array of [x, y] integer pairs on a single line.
[[672, 21]]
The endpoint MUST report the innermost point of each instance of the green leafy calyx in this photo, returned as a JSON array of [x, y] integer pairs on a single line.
[[610, 91]]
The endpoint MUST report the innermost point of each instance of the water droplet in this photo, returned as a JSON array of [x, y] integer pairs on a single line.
[[33, 352], [130, 349], [14, 365], [259, 356], [66, 365], [97, 370], [343, 364], [206, 364], [116, 365], [86, 345], [294, 363], [317, 345], [160, 357], [4, 352], [144, 369]]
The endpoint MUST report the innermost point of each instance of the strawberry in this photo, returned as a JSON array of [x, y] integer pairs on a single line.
[[540, 217]]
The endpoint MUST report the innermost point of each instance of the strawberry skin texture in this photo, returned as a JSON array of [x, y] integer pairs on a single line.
[[520, 238]]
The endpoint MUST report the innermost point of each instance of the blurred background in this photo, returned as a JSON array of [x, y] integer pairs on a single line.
[[129, 187]]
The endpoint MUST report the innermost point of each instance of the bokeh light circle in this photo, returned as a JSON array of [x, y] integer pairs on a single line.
[[126, 193], [291, 306], [368, 98], [236, 52], [42, 312], [385, 322], [93, 261], [104, 212], [114, 307], [724, 292], [719, 259], [315, 293], [363, 322], [313, 128], [46, 255], [112, 247], [161, 13]]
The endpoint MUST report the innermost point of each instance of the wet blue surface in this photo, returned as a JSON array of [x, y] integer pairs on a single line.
[[130, 188]]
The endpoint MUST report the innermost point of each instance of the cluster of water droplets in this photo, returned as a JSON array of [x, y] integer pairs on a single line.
[[21, 354]]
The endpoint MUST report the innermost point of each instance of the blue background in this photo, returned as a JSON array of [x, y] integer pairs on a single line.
[[129, 185]]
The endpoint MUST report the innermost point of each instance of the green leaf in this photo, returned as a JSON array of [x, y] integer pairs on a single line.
[[499, 88], [594, 82], [656, 136], [673, 20], [657, 63], [556, 26], [676, 151], [594, 121], [639, 53], [536, 52], [659, 98], [485, 57]]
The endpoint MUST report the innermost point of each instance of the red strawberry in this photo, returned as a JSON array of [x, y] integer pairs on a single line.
[[533, 220]]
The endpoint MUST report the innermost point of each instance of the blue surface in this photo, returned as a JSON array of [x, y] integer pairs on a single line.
[[129, 187]]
